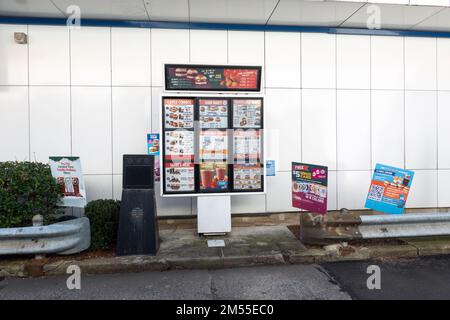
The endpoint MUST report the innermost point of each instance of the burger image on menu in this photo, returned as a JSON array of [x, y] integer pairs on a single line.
[[200, 80], [191, 73]]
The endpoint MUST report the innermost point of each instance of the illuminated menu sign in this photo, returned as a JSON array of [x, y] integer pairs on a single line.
[[181, 77], [212, 145]]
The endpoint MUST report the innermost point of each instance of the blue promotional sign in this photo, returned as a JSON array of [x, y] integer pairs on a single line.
[[389, 189], [270, 168], [153, 144]]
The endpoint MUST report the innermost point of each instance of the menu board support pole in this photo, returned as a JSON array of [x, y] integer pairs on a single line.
[[214, 214]]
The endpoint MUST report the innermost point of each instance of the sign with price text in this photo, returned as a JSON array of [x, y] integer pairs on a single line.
[[309, 187]]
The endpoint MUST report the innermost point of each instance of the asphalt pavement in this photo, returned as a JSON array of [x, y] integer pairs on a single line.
[[422, 278]]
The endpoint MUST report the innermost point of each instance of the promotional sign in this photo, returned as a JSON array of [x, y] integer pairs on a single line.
[[389, 189], [68, 174], [309, 187], [153, 144], [181, 77], [270, 168]]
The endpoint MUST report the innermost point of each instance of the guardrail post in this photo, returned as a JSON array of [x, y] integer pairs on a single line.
[[38, 221]]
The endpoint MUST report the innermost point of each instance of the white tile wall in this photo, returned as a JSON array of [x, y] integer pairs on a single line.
[[168, 46], [91, 56], [352, 189], [246, 48], [388, 130], [318, 60], [131, 57], [423, 193], [13, 57], [116, 78], [14, 129], [279, 193], [208, 47], [443, 130], [387, 65], [420, 63], [98, 186], [282, 59], [156, 108], [443, 70], [49, 105], [444, 188], [117, 186], [319, 127], [248, 204], [287, 123], [49, 55], [332, 191], [353, 130], [420, 130], [353, 62], [91, 128], [131, 114], [172, 206]]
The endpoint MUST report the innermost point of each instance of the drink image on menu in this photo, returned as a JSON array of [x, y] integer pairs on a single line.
[[213, 176]]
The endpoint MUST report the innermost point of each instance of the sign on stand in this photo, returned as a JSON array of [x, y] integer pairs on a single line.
[[389, 189], [68, 174], [309, 187]]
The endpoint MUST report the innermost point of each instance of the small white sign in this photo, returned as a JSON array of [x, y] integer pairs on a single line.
[[216, 243]]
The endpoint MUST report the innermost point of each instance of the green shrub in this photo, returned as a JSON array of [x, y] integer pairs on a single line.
[[26, 189], [104, 218]]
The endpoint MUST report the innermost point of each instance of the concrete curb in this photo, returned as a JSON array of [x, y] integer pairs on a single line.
[[413, 249]]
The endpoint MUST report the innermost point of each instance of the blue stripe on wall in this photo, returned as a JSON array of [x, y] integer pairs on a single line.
[[221, 26]]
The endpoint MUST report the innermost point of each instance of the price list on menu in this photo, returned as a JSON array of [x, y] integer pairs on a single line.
[[212, 145], [178, 124], [247, 162]]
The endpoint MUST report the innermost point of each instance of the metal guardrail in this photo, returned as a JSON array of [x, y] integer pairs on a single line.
[[334, 227], [66, 237]]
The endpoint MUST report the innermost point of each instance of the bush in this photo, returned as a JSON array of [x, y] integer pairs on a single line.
[[104, 218], [26, 189]]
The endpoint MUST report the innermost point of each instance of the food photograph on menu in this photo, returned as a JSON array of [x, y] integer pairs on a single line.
[[213, 113], [247, 113], [179, 145], [247, 146], [179, 113], [247, 177], [210, 77], [179, 177], [213, 176], [213, 144]]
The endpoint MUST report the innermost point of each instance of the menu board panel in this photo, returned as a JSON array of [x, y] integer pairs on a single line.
[[198, 135], [212, 77], [179, 145], [247, 113], [213, 113], [247, 146], [213, 176], [179, 113], [179, 177], [213, 145], [247, 177]]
